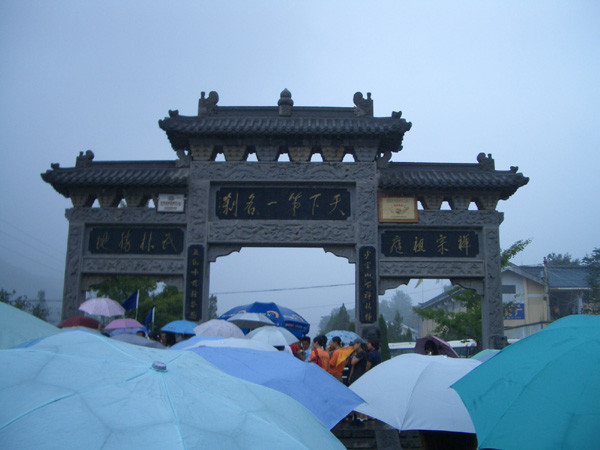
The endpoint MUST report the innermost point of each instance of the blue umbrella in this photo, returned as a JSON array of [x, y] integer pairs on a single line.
[[19, 327], [346, 336], [280, 315], [328, 399], [180, 327], [84, 390], [540, 392]]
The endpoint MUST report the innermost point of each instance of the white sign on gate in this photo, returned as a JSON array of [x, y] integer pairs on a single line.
[[170, 203]]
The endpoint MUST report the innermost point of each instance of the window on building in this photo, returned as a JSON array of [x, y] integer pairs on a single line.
[[509, 289]]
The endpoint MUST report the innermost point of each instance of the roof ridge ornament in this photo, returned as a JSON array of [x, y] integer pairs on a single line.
[[285, 103], [84, 160], [364, 106], [486, 162], [207, 105]]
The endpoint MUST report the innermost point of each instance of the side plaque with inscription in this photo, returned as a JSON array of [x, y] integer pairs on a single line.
[[367, 288], [429, 243], [194, 283], [135, 241]]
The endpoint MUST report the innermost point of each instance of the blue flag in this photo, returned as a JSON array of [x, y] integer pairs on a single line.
[[149, 320], [132, 301]]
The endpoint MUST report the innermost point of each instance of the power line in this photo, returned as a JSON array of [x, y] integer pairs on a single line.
[[54, 268], [283, 289], [51, 255], [29, 235]]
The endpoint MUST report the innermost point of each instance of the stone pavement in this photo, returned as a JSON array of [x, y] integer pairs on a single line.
[[375, 435]]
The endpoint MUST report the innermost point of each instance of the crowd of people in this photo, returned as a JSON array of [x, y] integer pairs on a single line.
[[347, 363]]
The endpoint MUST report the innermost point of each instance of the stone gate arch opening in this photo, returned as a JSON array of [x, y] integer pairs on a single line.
[[355, 203], [309, 281]]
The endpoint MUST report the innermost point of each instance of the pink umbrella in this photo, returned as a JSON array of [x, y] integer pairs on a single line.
[[102, 306], [120, 324]]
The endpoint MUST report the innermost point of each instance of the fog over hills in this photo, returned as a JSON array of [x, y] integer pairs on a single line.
[[24, 282]]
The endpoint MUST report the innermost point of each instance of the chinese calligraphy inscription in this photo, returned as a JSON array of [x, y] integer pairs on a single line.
[[430, 243], [194, 283], [136, 241], [283, 203], [367, 288]]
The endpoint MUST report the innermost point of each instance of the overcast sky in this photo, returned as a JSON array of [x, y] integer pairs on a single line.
[[512, 78]]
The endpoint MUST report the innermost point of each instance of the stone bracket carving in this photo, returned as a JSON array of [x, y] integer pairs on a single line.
[[348, 252], [473, 284], [390, 283], [216, 251]]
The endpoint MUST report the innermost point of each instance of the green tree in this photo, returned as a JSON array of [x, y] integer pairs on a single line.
[[395, 331], [558, 259], [212, 307], [339, 319], [467, 323], [169, 306], [21, 302], [40, 309], [119, 288], [384, 341], [592, 298]]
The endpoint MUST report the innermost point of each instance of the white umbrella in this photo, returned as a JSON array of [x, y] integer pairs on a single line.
[[276, 336], [218, 327], [250, 320], [412, 392]]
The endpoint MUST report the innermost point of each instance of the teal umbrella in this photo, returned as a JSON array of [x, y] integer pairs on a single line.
[[80, 389], [486, 354], [19, 327], [541, 392]]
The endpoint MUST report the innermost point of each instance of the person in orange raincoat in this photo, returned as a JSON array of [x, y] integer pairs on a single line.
[[319, 356], [338, 358]]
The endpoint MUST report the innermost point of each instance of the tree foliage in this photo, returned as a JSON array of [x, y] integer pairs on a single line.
[[37, 308], [466, 324], [168, 301], [339, 319], [559, 259], [592, 266], [384, 340]]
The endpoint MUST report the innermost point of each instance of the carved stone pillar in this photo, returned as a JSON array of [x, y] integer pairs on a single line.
[[73, 296], [197, 285], [492, 308], [367, 258]]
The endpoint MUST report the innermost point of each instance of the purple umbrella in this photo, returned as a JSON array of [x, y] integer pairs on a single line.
[[443, 348], [120, 324]]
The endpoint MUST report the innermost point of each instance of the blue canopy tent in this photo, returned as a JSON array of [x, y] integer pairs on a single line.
[[280, 315]]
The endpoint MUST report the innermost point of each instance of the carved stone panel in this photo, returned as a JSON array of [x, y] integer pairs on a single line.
[[133, 266], [431, 269]]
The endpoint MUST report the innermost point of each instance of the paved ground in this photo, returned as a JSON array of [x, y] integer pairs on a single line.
[[377, 435]]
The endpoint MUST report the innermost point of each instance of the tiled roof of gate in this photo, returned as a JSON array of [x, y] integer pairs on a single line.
[[443, 176], [266, 122], [117, 174]]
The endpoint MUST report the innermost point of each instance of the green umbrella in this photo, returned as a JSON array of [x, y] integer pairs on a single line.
[[541, 392], [19, 327]]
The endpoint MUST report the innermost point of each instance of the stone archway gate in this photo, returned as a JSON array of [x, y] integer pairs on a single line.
[[364, 210]]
